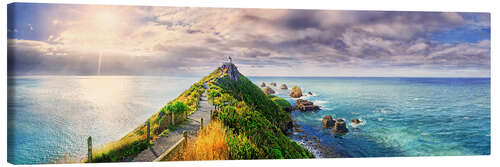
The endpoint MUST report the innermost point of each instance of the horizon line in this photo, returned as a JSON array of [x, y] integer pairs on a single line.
[[266, 76]]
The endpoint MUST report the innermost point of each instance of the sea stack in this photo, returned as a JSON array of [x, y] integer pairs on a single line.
[[296, 92], [268, 90], [273, 84], [340, 127], [328, 121], [263, 84], [283, 86]]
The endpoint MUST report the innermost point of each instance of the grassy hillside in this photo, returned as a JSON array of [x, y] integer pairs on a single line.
[[250, 122], [135, 141], [253, 120]]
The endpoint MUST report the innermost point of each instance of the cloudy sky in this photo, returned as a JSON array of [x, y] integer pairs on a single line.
[[49, 39]]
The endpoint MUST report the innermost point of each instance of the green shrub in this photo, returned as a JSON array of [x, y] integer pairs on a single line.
[[177, 107], [280, 101]]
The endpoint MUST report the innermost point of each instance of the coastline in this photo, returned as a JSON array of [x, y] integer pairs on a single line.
[[312, 143]]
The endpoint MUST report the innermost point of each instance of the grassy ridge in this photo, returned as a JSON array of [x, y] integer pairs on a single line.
[[250, 122], [253, 120], [135, 141]]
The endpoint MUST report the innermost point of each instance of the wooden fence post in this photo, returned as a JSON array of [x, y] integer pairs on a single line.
[[173, 119], [148, 131], [89, 156], [201, 123], [185, 134]]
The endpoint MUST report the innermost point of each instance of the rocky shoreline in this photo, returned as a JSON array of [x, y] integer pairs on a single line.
[[312, 143], [337, 126]]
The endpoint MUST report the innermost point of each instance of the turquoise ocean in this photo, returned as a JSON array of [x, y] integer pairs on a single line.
[[50, 117]]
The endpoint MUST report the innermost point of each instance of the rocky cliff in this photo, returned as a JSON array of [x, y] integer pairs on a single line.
[[231, 71]]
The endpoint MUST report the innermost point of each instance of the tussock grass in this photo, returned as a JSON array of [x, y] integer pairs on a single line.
[[211, 144]]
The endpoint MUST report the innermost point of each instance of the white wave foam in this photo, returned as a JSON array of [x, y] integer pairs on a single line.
[[314, 151], [320, 101], [355, 125], [444, 133]]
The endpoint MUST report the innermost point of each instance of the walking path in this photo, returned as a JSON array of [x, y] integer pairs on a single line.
[[192, 125]]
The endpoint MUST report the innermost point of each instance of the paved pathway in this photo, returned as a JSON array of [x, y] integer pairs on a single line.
[[192, 125]]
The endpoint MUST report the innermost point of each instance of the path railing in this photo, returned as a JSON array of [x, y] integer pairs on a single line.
[[182, 142], [170, 119]]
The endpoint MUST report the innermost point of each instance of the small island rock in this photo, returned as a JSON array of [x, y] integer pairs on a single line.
[[309, 93], [304, 105], [283, 86], [263, 84], [340, 127], [273, 84], [356, 121], [268, 90], [296, 92], [328, 121]]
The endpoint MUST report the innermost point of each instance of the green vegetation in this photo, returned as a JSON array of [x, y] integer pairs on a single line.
[[135, 141], [280, 101], [255, 121]]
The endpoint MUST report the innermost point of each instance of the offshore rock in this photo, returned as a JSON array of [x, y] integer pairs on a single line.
[[296, 92], [283, 86], [268, 90], [340, 127], [304, 105], [328, 121], [273, 84], [263, 84]]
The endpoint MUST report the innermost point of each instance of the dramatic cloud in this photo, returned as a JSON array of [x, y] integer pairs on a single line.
[[194, 41]]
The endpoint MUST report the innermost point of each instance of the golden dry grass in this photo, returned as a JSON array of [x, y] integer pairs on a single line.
[[211, 144]]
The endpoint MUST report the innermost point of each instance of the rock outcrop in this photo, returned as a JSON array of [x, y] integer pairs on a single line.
[[309, 93], [273, 84], [268, 90], [296, 92], [328, 121], [231, 71], [340, 127], [263, 84], [283, 86], [304, 105], [356, 121]]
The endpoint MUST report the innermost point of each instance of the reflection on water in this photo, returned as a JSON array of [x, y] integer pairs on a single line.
[[51, 117]]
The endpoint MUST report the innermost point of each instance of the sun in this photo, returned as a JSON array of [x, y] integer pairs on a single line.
[[106, 21]]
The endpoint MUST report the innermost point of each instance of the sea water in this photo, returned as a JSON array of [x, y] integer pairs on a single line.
[[51, 117], [402, 116]]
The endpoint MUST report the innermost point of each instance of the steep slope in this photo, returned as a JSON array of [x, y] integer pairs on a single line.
[[135, 141], [255, 122]]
